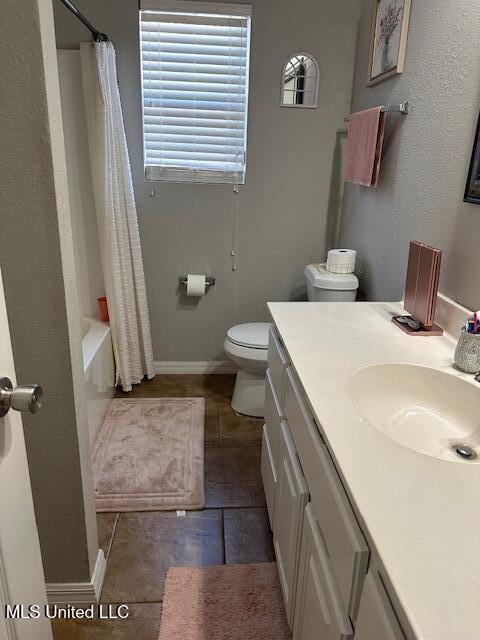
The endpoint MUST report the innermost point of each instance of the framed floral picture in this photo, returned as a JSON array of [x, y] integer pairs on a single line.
[[472, 190], [389, 39]]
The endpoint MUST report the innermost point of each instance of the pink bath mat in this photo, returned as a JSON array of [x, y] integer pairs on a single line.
[[149, 455], [232, 602]]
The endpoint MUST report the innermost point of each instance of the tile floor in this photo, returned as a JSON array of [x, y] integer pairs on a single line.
[[233, 528]]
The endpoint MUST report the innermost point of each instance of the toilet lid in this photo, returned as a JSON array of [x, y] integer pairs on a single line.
[[251, 334]]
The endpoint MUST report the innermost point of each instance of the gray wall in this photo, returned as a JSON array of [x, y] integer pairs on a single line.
[[282, 208], [426, 155], [36, 256]]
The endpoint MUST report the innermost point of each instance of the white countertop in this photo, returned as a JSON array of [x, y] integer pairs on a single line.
[[422, 515]]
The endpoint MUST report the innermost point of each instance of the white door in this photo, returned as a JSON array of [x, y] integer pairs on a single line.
[[21, 571]]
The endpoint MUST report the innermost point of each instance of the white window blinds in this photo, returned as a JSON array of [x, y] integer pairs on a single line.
[[195, 91]]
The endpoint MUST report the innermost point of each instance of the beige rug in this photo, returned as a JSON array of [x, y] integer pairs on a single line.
[[232, 602], [149, 455]]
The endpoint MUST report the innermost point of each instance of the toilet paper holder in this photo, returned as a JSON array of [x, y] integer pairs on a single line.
[[210, 280]]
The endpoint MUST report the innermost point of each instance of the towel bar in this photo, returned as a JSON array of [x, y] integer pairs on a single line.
[[403, 108]]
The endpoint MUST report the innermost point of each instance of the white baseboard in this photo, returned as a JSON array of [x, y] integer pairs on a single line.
[[79, 592], [201, 366]]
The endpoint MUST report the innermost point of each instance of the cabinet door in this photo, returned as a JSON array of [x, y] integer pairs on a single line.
[[270, 445], [290, 499], [318, 613], [269, 474], [345, 544], [376, 617]]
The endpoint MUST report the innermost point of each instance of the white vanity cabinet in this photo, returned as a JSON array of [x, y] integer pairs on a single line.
[[321, 552], [290, 499]]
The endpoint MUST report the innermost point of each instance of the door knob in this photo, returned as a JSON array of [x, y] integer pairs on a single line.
[[23, 398]]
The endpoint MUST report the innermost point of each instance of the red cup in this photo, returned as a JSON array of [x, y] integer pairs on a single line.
[[103, 309]]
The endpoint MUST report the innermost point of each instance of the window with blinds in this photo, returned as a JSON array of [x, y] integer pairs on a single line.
[[195, 63]]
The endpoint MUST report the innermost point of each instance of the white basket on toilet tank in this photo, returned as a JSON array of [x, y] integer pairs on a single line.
[[324, 286]]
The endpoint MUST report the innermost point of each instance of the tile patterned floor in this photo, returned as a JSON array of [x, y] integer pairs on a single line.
[[234, 528]]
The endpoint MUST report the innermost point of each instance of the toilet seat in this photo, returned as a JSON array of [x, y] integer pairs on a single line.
[[253, 335], [255, 359]]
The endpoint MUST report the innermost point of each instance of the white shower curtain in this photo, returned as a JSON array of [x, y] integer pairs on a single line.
[[116, 216]]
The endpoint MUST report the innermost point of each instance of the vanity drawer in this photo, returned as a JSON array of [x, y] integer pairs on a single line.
[[318, 612], [376, 617], [344, 542], [277, 362], [273, 409]]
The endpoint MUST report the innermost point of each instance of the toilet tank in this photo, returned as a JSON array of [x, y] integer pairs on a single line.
[[323, 286]]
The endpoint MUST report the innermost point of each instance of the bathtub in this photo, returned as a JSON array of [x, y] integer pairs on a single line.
[[99, 372]]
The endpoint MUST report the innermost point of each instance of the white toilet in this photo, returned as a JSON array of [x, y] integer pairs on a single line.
[[247, 344]]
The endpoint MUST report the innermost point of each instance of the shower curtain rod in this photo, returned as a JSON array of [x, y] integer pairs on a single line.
[[96, 35]]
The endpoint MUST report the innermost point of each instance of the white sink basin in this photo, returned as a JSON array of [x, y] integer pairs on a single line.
[[424, 409]]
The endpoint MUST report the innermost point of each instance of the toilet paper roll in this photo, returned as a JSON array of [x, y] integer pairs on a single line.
[[341, 260], [196, 285]]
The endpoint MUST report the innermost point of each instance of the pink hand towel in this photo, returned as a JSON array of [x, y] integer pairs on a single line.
[[366, 131]]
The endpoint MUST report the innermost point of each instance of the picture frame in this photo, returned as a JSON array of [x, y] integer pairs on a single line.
[[472, 189], [388, 42]]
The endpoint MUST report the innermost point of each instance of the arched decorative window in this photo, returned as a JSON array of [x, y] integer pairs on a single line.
[[299, 84]]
